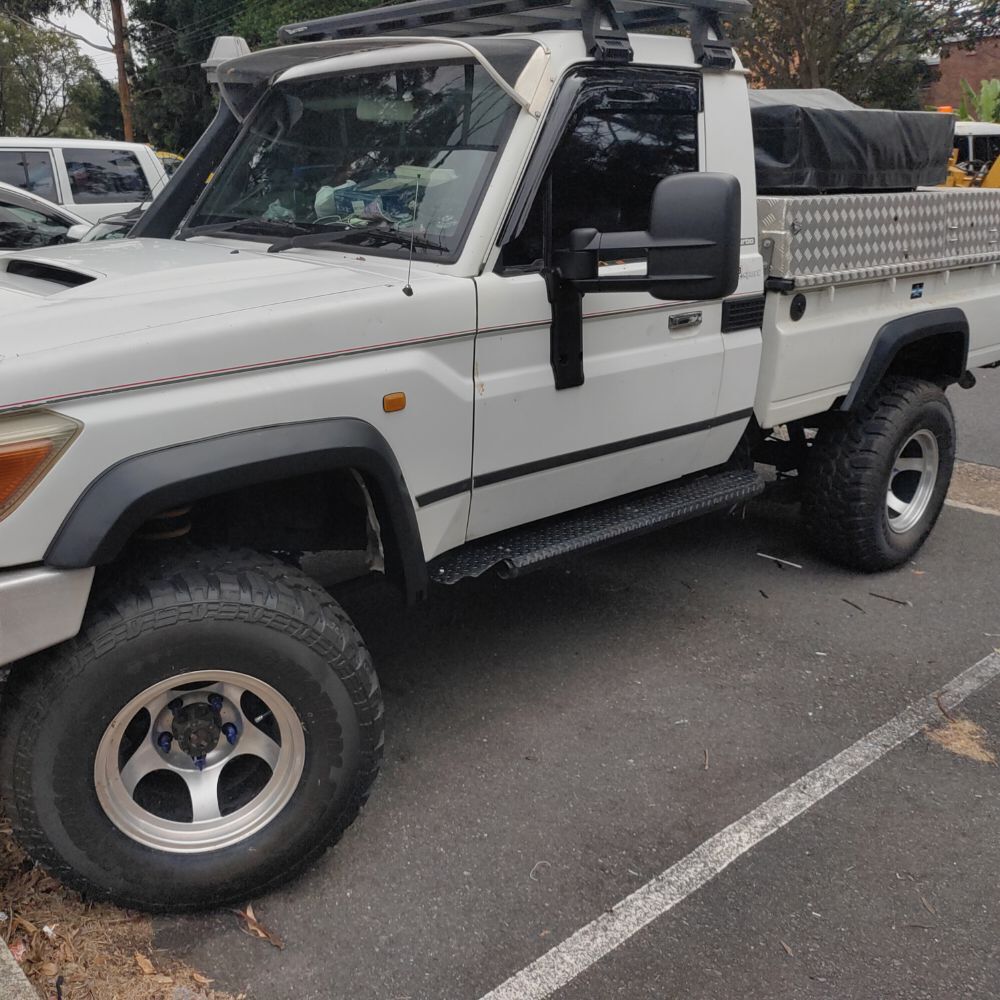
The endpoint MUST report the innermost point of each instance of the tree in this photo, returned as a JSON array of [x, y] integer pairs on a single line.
[[259, 23], [41, 73], [868, 50], [98, 109], [173, 102]]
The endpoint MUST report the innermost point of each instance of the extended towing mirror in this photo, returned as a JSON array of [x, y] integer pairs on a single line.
[[692, 246], [692, 251]]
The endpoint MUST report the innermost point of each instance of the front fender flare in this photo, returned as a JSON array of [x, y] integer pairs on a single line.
[[122, 498]]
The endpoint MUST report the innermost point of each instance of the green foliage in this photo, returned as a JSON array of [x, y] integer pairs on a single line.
[[981, 106], [98, 112], [43, 81], [868, 50], [172, 100]]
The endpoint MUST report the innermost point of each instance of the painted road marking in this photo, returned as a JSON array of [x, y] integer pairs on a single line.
[[567, 960]]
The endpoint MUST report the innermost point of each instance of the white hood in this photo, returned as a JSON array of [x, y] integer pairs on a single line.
[[100, 317]]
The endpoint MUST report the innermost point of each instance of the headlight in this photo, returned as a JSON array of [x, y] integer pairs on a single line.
[[30, 443]]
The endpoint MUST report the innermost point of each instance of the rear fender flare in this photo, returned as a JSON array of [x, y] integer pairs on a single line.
[[948, 324]]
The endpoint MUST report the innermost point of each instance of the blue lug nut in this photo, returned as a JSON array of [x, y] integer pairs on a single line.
[[230, 732], [215, 700], [176, 705], [164, 740], [199, 762]]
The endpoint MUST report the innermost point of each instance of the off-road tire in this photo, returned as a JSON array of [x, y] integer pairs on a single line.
[[239, 611], [849, 470]]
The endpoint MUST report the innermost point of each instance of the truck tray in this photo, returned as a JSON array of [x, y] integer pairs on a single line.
[[522, 549]]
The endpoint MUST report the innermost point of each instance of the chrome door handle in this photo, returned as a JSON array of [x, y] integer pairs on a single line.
[[684, 321]]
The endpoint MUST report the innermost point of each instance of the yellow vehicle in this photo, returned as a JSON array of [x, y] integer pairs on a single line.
[[170, 161], [975, 161]]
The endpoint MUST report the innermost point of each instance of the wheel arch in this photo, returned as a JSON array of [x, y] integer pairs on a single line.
[[932, 345], [125, 496]]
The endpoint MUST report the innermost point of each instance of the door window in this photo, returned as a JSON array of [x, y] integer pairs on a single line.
[[985, 148], [627, 131], [29, 170], [22, 227], [102, 176]]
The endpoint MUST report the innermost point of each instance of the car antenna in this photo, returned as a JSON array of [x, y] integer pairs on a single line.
[[408, 288]]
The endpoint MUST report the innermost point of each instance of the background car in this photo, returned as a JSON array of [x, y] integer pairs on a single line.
[[28, 222], [91, 177], [114, 227], [169, 161]]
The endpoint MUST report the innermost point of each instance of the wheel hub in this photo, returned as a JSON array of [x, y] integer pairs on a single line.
[[912, 480], [194, 726], [197, 728]]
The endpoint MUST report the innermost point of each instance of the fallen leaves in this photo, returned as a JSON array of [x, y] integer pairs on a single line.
[[144, 964], [252, 926], [91, 950], [963, 737]]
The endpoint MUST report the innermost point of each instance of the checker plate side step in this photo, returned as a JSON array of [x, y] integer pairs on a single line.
[[522, 549]]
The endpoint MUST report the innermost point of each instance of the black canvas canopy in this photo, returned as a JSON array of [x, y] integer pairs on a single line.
[[815, 141]]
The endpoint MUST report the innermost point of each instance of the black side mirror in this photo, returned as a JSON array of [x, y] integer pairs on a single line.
[[692, 246]]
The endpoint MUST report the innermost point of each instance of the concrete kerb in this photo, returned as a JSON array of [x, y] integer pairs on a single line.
[[14, 983]]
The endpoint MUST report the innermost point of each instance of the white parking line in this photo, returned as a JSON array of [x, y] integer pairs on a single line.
[[581, 950]]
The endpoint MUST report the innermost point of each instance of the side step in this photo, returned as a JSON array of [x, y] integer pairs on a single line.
[[522, 549]]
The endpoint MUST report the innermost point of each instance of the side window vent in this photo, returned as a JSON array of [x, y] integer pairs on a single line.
[[47, 272]]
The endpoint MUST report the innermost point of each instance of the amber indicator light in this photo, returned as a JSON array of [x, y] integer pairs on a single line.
[[394, 402], [17, 464]]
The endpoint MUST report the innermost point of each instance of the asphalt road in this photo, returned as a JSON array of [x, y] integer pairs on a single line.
[[977, 412], [556, 742]]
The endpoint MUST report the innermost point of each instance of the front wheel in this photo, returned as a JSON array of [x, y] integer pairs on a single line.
[[211, 730], [876, 479]]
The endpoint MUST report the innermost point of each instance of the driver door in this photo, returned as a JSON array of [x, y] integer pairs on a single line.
[[648, 409]]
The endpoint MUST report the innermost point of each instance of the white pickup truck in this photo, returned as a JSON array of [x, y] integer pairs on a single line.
[[473, 284]]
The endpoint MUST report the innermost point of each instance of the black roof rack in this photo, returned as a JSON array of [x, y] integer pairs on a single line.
[[605, 24]]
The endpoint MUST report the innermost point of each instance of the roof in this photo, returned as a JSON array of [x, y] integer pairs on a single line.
[[57, 142], [461, 18], [977, 128], [29, 200], [240, 78]]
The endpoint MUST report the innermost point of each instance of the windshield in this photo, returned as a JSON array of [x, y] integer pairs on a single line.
[[374, 160]]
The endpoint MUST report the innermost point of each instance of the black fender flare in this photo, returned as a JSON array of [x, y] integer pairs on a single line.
[[899, 333], [128, 494]]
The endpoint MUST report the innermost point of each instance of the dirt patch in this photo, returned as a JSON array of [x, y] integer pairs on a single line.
[[965, 738], [974, 484], [98, 951]]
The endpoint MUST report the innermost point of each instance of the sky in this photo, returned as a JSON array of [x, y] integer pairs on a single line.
[[84, 24]]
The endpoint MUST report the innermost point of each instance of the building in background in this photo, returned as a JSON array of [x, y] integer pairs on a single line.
[[956, 64]]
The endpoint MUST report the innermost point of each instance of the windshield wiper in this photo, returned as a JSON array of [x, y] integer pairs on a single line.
[[253, 226], [384, 237]]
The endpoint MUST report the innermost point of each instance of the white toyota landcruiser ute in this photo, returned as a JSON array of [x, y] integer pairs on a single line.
[[472, 284]]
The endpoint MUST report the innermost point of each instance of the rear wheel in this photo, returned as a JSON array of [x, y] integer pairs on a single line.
[[876, 479], [208, 734]]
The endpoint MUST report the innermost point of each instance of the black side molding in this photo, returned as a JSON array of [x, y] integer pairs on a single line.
[[949, 326], [128, 494]]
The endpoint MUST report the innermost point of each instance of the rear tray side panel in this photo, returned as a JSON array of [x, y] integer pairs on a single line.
[[827, 239]]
